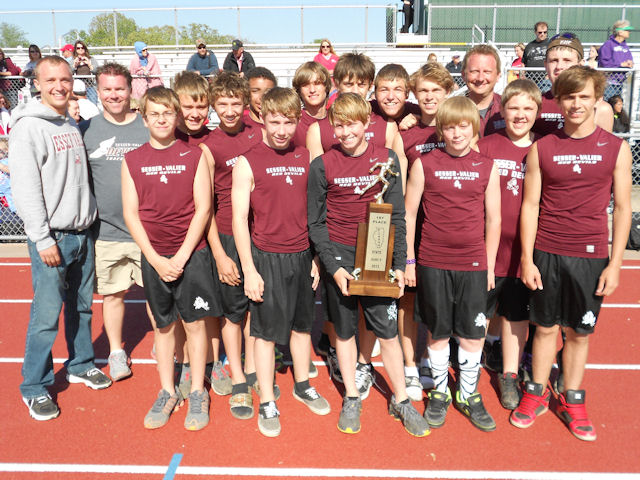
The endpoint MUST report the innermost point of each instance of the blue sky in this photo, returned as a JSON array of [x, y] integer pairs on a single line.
[[259, 26]]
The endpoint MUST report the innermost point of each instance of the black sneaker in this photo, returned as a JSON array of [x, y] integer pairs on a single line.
[[426, 377], [437, 407], [413, 422], [509, 390], [364, 379], [92, 378], [349, 421], [42, 407], [474, 409], [492, 356]]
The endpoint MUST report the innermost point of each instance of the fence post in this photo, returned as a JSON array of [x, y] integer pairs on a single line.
[[238, 20], [55, 35], [115, 28], [429, 14], [366, 24], [495, 18], [558, 20], [624, 11], [175, 21], [302, 24]]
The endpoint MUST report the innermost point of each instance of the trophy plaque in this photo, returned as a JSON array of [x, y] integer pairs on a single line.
[[373, 273]]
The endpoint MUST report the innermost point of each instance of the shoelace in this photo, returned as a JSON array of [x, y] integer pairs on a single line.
[[362, 375], [528, 404], [312, 393], [93, 372], [577, 411], [350, 406], [42, 399], [195, 403], [270, 410], [160, 402]]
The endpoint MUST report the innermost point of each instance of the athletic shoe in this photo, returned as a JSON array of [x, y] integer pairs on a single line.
[[268, 419], [42, 407], [334, 367], [436, 411], [241, 406], [375, 352], [364, 379], [119, 365], [162, 408], [323, 345], [349, 421], [509, 390], [276, 390], [414, 388], [492, 358], [473, 408], [572, 411], [198, 414], [219, 379], [183, 374], [525, 371], [413, 422], [533, 404], [426, 377], [313, 371], [92, 378], [558, 382], [312, 399]]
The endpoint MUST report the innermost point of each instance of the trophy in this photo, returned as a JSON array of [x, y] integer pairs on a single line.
[[373, 273]]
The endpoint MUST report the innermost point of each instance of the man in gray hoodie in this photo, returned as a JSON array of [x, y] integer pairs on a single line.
[[50, 184]]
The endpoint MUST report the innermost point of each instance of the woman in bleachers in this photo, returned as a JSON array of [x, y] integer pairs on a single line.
[[145, 70], [9, 87], [85, 64], [326, 56]]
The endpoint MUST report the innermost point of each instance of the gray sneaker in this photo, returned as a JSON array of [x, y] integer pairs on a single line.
[[413, 422], [349, 421], [92, 378], [42, 407], [119, 366], [198, 414], [219, 379], [364, 379], [312, 399], [268, 419], [436, 411], [414, 388], [162, 408]]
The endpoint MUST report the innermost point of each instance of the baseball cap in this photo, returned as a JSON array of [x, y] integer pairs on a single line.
[[67, 48], [79, 88], [568, 40], [236, 45], [200, 41]]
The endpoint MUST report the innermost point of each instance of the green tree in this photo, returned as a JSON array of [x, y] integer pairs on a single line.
[[210, 35], [164, 35], [12, 36], [101, 32]]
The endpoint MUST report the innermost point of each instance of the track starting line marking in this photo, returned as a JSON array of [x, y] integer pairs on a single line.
[[311, 472]]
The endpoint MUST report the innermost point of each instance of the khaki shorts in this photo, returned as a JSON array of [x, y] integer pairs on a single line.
[[117, 266]]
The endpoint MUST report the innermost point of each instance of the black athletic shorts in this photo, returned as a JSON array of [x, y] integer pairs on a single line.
[[452, 302], [568, 296], [510, 299], [193, 296], [380, 313], [235, 304], [288, 299]]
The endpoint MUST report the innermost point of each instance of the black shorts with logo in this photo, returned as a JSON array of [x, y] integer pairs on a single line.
[[235, 304], [452, 302], [193, 296], [568, 290], [509, 299], [288, 299]]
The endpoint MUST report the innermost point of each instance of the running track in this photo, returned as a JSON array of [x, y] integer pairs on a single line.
[[99, 434]]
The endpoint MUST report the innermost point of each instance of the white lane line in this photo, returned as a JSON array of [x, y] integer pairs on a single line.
[[315, 472]]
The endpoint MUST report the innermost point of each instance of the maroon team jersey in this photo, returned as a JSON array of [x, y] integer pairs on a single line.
[[279, 198], [300, 137], [164, 183], [492, 121], [550, 119], [419, 140], [195, 139], [577, 177], [510, 160], [376, 133], [248, 120], [226, 148], [409, 107], [452, 236], [346, 208]]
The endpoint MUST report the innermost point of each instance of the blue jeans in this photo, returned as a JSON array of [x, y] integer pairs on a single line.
[[71, 284]]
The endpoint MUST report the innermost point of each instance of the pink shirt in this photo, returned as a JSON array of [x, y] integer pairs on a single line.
[[328, 63]]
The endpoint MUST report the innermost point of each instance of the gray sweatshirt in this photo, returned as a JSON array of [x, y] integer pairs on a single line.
[[49, 175]]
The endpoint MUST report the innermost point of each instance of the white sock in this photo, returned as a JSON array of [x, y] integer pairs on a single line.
[[424, 362], [492, 338], [116, 351], [440, 368], [469, 366], [410, 371]]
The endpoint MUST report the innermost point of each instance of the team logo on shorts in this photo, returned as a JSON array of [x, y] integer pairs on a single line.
[[481, 320], [200, 304], [589, 319], [392, 311]]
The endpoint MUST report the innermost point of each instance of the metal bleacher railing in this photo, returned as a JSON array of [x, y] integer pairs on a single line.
[[625, 83]]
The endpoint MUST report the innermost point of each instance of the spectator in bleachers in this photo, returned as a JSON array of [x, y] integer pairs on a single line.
[[203, 61], [621, 122], [29, 68], [407, 9], [592, 61], [85, 64], [87, 109], [8, 217], [67, 53], [145, 70], [432, 58], [614, 53], [238, 60], [5, 115], [517, 63], [9, 69], [74, 109], [535, 51], [454, 66], [326, 56]]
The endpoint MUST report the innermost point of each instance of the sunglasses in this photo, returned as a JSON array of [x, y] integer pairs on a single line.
[[79, 47], [542, 33], [326, 46], [202, 47]]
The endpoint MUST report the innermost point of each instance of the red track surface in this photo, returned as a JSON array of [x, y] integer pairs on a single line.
[[105, 427]]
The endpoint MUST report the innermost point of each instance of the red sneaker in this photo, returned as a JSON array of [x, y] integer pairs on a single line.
[[573, 412], [533, 403]]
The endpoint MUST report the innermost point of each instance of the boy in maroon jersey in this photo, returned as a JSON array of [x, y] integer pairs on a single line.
[[458, 191], [270, 181], [567, 254], [261, 80], [508, 148], [166, 198], [312, 81], [335, 209], [229, 94], [391, 91]]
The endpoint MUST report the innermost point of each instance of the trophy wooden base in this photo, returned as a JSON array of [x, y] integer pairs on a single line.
[[374, 289]]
